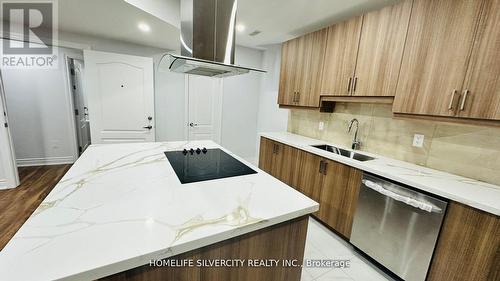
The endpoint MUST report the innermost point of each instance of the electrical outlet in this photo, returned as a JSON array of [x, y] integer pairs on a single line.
[[418, 140], [321, 125]]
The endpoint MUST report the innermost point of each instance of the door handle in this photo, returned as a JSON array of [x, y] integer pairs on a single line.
[[450, 105], [354, 84], [462, 105], [148, 127], [349, 85], [423, 205], [193, 124]]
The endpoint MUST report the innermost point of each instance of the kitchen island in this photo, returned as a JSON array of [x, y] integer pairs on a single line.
[[121, 213]]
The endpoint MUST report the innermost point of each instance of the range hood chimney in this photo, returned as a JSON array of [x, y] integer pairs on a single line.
[[207, 39]]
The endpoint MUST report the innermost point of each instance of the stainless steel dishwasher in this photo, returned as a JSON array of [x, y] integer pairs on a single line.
[[397, 226]]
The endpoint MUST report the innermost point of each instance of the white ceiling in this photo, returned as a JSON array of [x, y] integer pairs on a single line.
[[278, 20], [115, 19]]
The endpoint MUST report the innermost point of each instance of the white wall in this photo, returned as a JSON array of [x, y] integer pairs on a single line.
[[240, 105], [170, 106], [36, 100], [39, 115], [270, 117]]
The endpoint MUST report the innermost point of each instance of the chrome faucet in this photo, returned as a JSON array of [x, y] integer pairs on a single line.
[[355, 142]]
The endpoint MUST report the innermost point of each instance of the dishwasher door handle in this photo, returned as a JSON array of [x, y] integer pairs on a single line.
[[431, 208]]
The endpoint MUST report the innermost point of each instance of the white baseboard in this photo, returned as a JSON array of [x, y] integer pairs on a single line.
[[45, 161]]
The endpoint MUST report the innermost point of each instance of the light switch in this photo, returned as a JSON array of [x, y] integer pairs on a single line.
[[321, 126], [418, 140]]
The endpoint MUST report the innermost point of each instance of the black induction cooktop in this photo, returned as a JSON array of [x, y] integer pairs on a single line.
[[201, 164]]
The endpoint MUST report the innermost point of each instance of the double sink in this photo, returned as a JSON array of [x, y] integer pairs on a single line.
[[344, 152]]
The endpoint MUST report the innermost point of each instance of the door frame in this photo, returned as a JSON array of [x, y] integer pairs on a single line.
[[8, 159], [186, 108], [70, 100]]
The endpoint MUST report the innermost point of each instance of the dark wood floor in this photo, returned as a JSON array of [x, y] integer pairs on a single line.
[[17, 204]]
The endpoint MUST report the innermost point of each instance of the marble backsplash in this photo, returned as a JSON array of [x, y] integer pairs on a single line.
[[466, 150]]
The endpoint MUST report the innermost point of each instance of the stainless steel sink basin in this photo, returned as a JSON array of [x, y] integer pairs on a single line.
[[344, 152]]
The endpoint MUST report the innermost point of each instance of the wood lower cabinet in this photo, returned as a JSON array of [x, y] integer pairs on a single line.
[[285, 241], [339, 195], [285, 165], [335, 186], [468, 247], [310, 179], [266, 154], [279, 160]]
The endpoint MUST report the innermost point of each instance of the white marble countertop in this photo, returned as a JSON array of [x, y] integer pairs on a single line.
[[477, 194], [121, 205]]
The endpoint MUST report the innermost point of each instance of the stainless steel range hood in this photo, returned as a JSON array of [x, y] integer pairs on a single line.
[[207, 39]]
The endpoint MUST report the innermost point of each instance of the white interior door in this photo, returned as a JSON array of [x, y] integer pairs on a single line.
[[82, 120], [80, 104], [9, 177], [204, 108], [120, 94]]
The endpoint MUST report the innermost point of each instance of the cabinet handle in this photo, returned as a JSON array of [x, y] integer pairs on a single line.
[[450, 105], [294, 96], [349, 85], [325, 164], [462, 105], [298, 96], [321, 166], [354, 84]]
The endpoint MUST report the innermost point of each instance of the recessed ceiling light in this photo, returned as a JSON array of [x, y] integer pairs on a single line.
[[144, 27], [240, 27]]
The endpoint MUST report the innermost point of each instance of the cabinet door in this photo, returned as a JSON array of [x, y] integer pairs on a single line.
[[310, 179], [483, 77], [468, 247], [285, 163], [310, 67], [439, 40], [266, 153], [339, 195], [381, 50], [340, 57], [288, 75]]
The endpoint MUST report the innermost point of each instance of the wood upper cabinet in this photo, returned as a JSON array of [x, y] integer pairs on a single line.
[[286, 95], [339, 195], [301, 68], [437, 50], [381, 50], [482, 83], [340, 57], [468, 247]]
